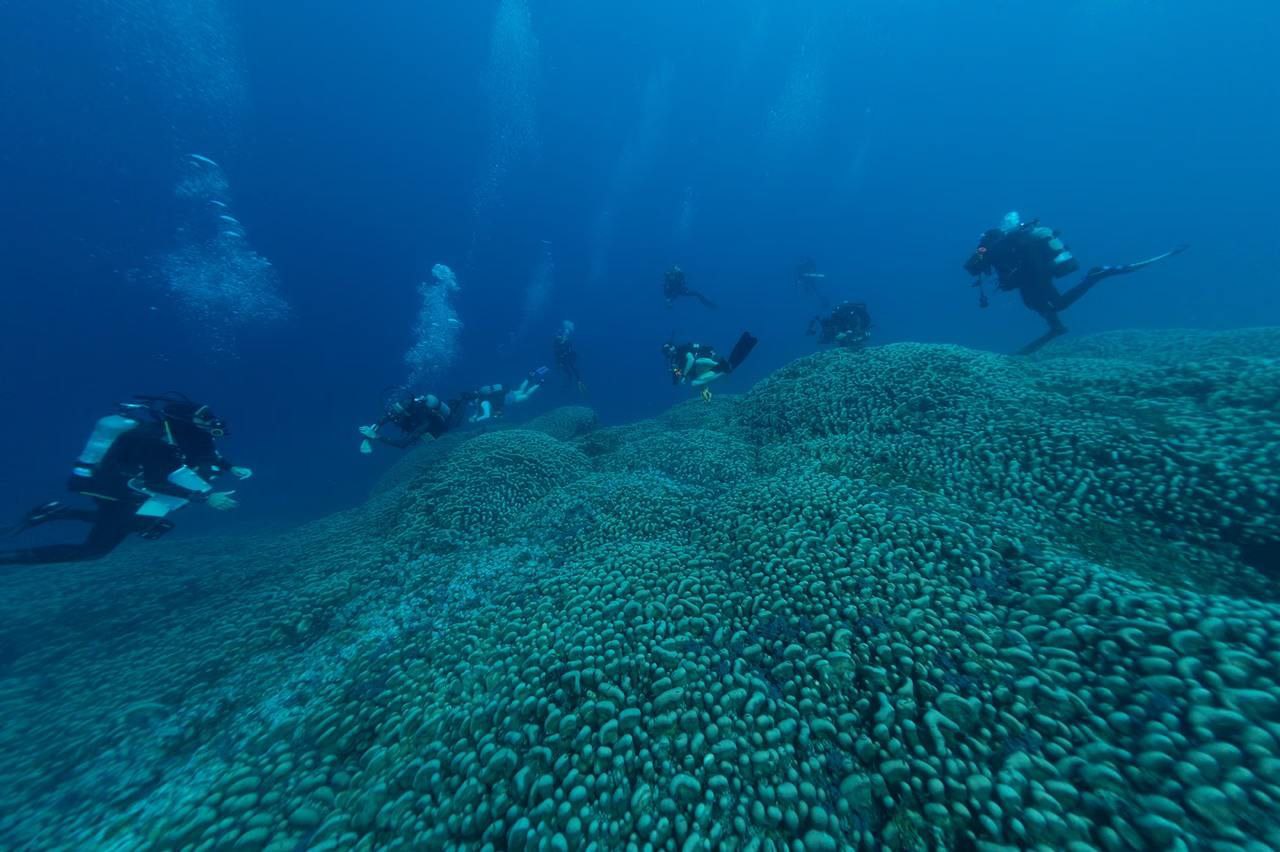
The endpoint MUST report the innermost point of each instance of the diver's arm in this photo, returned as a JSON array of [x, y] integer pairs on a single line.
[[183, 482], [371, 431], [239, 471], [162, 468]]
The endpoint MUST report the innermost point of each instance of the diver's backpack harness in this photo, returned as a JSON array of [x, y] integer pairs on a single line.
[[108, 430]]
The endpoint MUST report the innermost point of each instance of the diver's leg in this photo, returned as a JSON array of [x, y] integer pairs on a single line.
[[54, 510], [112, 525], [703, 367], [707, 376], [1092, 277], [86, 516], [1056, 329]]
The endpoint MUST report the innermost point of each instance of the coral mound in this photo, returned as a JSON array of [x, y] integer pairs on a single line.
[[913, 597]]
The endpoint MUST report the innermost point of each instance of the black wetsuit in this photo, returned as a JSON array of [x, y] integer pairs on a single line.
[[566, 357], [415, 420], [142, 458], [674, 286], [1024, 262], [849, 324]]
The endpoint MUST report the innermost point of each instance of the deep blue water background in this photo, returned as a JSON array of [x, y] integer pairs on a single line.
[[881, 138]]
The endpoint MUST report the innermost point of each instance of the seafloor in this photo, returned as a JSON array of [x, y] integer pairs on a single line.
[[917, 597]]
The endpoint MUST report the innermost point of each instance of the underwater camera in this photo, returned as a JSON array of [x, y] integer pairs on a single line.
[[979, 263]]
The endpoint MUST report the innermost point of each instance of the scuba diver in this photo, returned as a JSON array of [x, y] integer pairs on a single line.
[[140, 465], [490, 401], [423, 417], [566, 357], [808, 278], [487, 402], [848, 325], [674, 286], [697, 364], [1027, 257]]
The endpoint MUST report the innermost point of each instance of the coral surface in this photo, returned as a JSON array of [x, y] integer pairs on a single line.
[[911, 597]]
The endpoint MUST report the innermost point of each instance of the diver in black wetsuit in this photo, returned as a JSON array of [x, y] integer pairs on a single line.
[[674, 286], [418, 418], [697, 364], [849, 324], [1027, 257], [139, 466], [566, 357]]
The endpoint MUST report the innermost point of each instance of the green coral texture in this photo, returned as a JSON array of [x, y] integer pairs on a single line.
[[912, 597]]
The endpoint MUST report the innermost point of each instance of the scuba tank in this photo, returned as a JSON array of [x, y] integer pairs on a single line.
[[1064, 262], [105, 433]]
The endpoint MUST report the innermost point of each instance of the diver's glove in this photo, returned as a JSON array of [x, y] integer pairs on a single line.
[[369, 431], [241, 472], [223, 501], [366, 447]]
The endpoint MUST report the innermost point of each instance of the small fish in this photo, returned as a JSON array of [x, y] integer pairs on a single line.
[[200, 158], [230, 220]]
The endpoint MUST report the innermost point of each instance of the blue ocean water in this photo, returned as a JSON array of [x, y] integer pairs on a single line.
[[559, 157], [363, 145]]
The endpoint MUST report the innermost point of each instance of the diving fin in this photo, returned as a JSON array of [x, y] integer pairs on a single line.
[[34, 518], [742, 349], [1179, 250], [1106, 271]]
